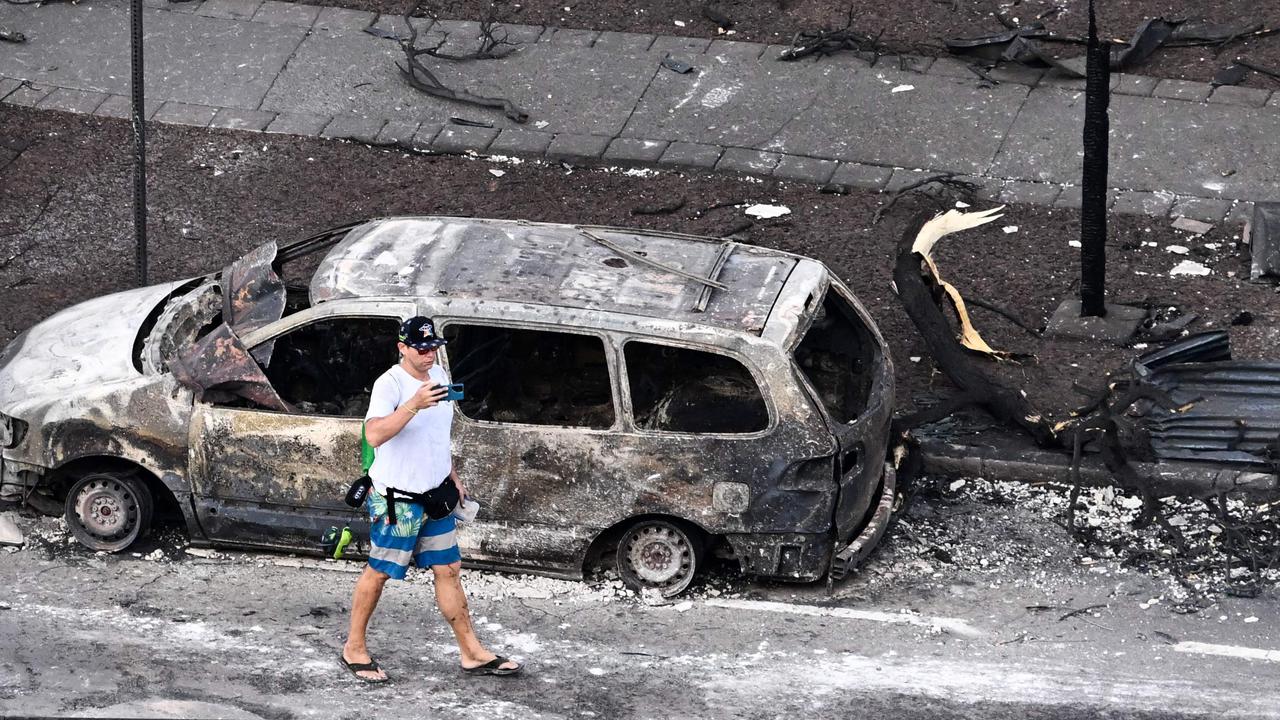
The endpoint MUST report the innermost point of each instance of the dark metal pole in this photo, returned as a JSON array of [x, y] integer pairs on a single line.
[[139, 145], [1093, 185]]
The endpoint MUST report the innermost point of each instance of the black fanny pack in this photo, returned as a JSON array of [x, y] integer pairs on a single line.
[[437, 502]]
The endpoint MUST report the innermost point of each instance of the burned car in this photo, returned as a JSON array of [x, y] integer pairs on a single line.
[[652, 396]]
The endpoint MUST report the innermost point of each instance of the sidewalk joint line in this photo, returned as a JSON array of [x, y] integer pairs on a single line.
[[1004, 139], [305, 34]]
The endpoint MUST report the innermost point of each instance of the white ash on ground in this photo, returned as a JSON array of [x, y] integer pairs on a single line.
[[1011, 533]]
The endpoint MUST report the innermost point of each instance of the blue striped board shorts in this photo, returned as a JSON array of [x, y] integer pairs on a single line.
[[414, 537]]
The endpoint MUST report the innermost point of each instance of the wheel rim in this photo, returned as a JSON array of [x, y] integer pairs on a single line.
[[660, 556], [107, 510]]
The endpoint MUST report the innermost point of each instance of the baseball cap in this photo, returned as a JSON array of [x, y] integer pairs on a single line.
[[419, 333]]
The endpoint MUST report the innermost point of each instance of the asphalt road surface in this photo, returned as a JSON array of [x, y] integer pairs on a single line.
[[171, 634]]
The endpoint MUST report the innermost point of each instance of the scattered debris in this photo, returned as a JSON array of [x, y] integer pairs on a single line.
[[1177, 249], [1189, 267], [1264, 236], [663, 209], [828, 42], [1030, 44], [765, 212], [676, 66], [946, 179], [496, 172], [1273, 74], [9, 532], [470, 123], [12, 36], [723, 22], [1233, 74], [902, 88], [1195, 227], [422, 79], [378, 32]]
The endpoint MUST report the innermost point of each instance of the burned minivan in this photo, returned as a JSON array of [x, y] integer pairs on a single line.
[[641, 397]]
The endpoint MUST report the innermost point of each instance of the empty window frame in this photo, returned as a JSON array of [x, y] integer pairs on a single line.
[[838, 356], [533, 377], [328, 367], [676, 389]]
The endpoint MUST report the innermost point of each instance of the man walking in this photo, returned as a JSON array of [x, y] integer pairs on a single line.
[[410, 426]]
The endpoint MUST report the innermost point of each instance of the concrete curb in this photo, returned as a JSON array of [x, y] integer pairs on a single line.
[[1040, 466]]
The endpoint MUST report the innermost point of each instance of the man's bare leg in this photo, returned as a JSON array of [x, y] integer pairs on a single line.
[[363, 600], [452, 601]]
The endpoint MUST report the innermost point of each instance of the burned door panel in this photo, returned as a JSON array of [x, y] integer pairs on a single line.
[[278, 476], [260, 476], [528, 436]]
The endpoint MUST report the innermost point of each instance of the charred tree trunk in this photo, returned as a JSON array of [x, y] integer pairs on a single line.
[[920, 295], [1093, 205]]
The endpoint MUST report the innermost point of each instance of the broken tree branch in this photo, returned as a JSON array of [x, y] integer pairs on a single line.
[[492, 46], [918, 290], [422, 79]]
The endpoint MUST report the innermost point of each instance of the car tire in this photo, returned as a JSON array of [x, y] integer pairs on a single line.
[[659, 555], [109, 511]]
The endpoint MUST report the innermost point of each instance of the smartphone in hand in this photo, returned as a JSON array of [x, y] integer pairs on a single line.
[[455, 391]]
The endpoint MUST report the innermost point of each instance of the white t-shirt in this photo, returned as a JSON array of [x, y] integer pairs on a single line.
[[418, 457]]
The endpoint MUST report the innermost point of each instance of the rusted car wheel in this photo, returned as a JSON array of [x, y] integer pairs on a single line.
[[659, 554], [108, 511]]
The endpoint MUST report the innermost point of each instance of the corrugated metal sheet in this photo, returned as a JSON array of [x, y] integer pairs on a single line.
[[1233, 407]]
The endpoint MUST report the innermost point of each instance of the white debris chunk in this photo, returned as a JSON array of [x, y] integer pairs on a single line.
[[1251, 619], [956, 485], [496, 172], [1074, 243], [1010, 229], [1192, 226], [596, 671], [902, 88], [682, 607], [1189, 267], [768, 211], [1131, 503], [1177, 249], [679, 23], [9, 532]]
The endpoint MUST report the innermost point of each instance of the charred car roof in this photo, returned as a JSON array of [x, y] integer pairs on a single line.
[[650, 273]]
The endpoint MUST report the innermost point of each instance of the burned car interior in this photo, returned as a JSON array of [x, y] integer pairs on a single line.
[[837, 357], [681, 390], [532, 377], [328, 367]]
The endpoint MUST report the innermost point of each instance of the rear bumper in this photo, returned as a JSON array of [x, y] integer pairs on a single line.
[[851, 555], [806, 557], [795, 557]]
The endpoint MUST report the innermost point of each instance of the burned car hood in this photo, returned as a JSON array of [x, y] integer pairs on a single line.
[[82, 346]]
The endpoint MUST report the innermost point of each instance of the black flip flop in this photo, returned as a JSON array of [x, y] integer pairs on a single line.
[[357, 668], [493, 667]]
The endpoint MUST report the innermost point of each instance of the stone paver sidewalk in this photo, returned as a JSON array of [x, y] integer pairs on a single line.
[[1178, 148]]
